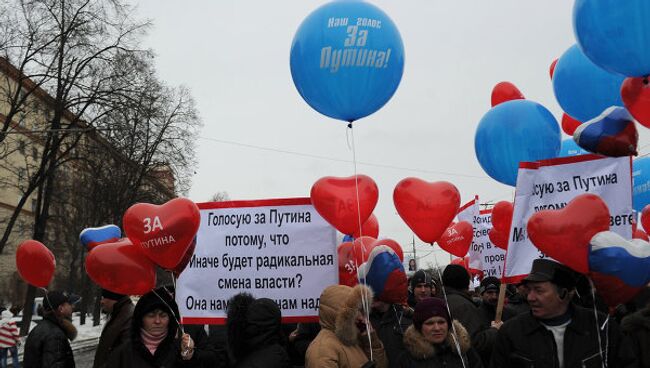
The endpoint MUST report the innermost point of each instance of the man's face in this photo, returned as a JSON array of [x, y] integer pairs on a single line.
[[65, 310], [545, 301], [107, 305], [421, 291], [490, 297]]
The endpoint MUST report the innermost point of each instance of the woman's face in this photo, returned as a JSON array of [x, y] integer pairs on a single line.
[[435, 330], [155, 322]]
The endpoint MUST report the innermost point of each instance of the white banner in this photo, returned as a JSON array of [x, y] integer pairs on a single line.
[[482, 254], [280, 249], [470, 212], [552, 184]]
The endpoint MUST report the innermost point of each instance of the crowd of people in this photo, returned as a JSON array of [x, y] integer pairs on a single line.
[[546, 322]]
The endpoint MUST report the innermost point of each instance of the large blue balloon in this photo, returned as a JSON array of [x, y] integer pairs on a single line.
[[515, 131], [347, 59], [582, 88], [570, 148], [615, 34], [640, 183]]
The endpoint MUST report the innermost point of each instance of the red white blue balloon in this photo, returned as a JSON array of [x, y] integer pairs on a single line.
[[347, 59], [384, 273], [628, 260], [613, 133], [94, 236]]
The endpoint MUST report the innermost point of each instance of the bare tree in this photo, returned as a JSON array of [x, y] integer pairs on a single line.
[[220, 197]]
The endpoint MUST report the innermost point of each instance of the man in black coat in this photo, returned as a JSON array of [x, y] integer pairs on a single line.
[[118, 327], [421, 286], [484, 340], [556, 333], [455, 280], [48, 344]]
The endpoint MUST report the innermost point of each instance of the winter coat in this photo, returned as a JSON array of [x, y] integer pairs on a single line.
[[420, 353], [483, 341], [48, 344], [390, 327], [209, 355], [464, 310], [115, 332], [134, 354], [269, 356], [524, 342], [518, 304], [339, 342], [637, 327]]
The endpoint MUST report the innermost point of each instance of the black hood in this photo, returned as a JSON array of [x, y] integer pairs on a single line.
[[156, 299], [252, 324]]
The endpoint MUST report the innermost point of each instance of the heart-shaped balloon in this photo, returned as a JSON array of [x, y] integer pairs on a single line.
[[645, 218], [122, 268], [35, 263], [347, 264], [391, 244], [499, 238], [465, 263], [612, 133], [629, 260], [94, 236], [505, 91], [636, 98], [369, 228], [335, 199], [457, 238], [186, 259], [569, 124], [165, 232], [565, 234], [502, 216], [427, 208], [612, 289], [640, 234], [551, 69]]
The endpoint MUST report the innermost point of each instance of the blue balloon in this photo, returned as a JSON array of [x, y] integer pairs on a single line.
[[583, 89], [615, 34], [515, 131], [347, 59], [570, 148], [640, 183]]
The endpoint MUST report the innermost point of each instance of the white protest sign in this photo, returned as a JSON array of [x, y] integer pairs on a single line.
[[280, 249], [482, 254], [552, 184]]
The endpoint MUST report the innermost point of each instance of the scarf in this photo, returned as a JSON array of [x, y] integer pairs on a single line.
[[150, 341]]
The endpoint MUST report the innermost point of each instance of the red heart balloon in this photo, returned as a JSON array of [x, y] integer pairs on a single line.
[[164, 233], [499, 238], [35, 263], [362, 248], [122, 268], [645, 218], [427, 208], [505, 91], [465, 263], [369, 228], [612, 289], [186, 259], [565, 234], [347, 264], [457, 238], [636, 98], [551, 69], [640, 234], [391, 244], [335, 199], [569, 124], [502, 216]]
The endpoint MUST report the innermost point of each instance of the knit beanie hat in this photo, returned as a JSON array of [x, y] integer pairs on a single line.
[[455, 276], [427, 308], [490, 283], [420, 277]]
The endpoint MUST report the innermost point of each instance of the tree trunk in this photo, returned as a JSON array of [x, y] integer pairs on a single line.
[[27, 310]]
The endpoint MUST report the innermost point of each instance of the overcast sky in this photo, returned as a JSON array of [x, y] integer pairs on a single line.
[[234, 57]]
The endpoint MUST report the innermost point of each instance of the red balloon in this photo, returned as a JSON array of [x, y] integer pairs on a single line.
[[640, 234], [502, 216], [35, 263], [335, 199], [551, 70], [612, 289], [122, 268], [565, 234], [347, 264], [427, 208], [636, 98], [369, 228], [569, 124], [645, 218], [465, 263], [362, 248], [499, 238], [457, 238], [164, 233], [391, 244], [505, 91], [186, 259]]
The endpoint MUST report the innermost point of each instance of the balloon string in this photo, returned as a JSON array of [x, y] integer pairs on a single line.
[[593, 299], [454, 334], [364, 300], [170, 308]]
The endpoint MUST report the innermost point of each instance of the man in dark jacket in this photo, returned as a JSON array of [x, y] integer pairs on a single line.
[[421, 286], [556, 333], [455, 280], [517, 298], [118, 327], [48, 345], [637, 327], [483, 342]]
